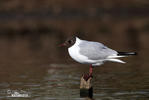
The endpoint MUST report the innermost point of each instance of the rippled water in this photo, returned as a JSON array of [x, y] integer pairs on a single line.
[[60, 81]]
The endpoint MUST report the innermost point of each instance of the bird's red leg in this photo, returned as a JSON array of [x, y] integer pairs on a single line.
[[88, 75], [91, 70]]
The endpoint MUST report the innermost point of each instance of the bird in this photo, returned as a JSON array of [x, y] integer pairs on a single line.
[[92, 53]]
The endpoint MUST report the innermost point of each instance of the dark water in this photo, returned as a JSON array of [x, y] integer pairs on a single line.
[[41, 78], [61, 81]]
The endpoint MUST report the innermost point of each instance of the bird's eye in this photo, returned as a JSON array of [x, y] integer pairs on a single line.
[[69, 41]]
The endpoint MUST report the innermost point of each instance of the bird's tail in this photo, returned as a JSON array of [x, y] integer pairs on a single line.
[[113, 58], [126, 53]]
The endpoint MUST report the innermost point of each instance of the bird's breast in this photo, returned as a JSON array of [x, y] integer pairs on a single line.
[[74, 53]]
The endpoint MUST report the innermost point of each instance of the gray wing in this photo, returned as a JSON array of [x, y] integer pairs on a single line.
[[95, 50]]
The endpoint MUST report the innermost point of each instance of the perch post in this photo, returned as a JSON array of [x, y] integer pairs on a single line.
[[86, 89]]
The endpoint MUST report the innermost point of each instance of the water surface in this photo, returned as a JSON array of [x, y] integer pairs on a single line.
[[60, 81]]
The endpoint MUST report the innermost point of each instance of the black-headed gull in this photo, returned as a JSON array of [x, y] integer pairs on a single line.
[[93, 53]]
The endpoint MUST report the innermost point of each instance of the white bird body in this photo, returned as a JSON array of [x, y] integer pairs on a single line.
[[74, 52], [93, 53]]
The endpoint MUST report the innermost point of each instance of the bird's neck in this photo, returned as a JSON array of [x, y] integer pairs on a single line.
[[77, 41]]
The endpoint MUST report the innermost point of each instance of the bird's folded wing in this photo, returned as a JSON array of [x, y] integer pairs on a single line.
[[95, 50]]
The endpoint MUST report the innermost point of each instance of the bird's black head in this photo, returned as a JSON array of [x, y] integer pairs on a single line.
[[69, 42]]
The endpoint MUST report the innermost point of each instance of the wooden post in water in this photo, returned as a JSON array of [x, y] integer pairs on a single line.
[[86, 89]]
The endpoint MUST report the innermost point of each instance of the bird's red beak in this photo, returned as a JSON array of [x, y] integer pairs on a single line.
[[62, 45]]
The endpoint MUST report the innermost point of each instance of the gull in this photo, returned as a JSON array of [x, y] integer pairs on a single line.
[[92, 53]]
